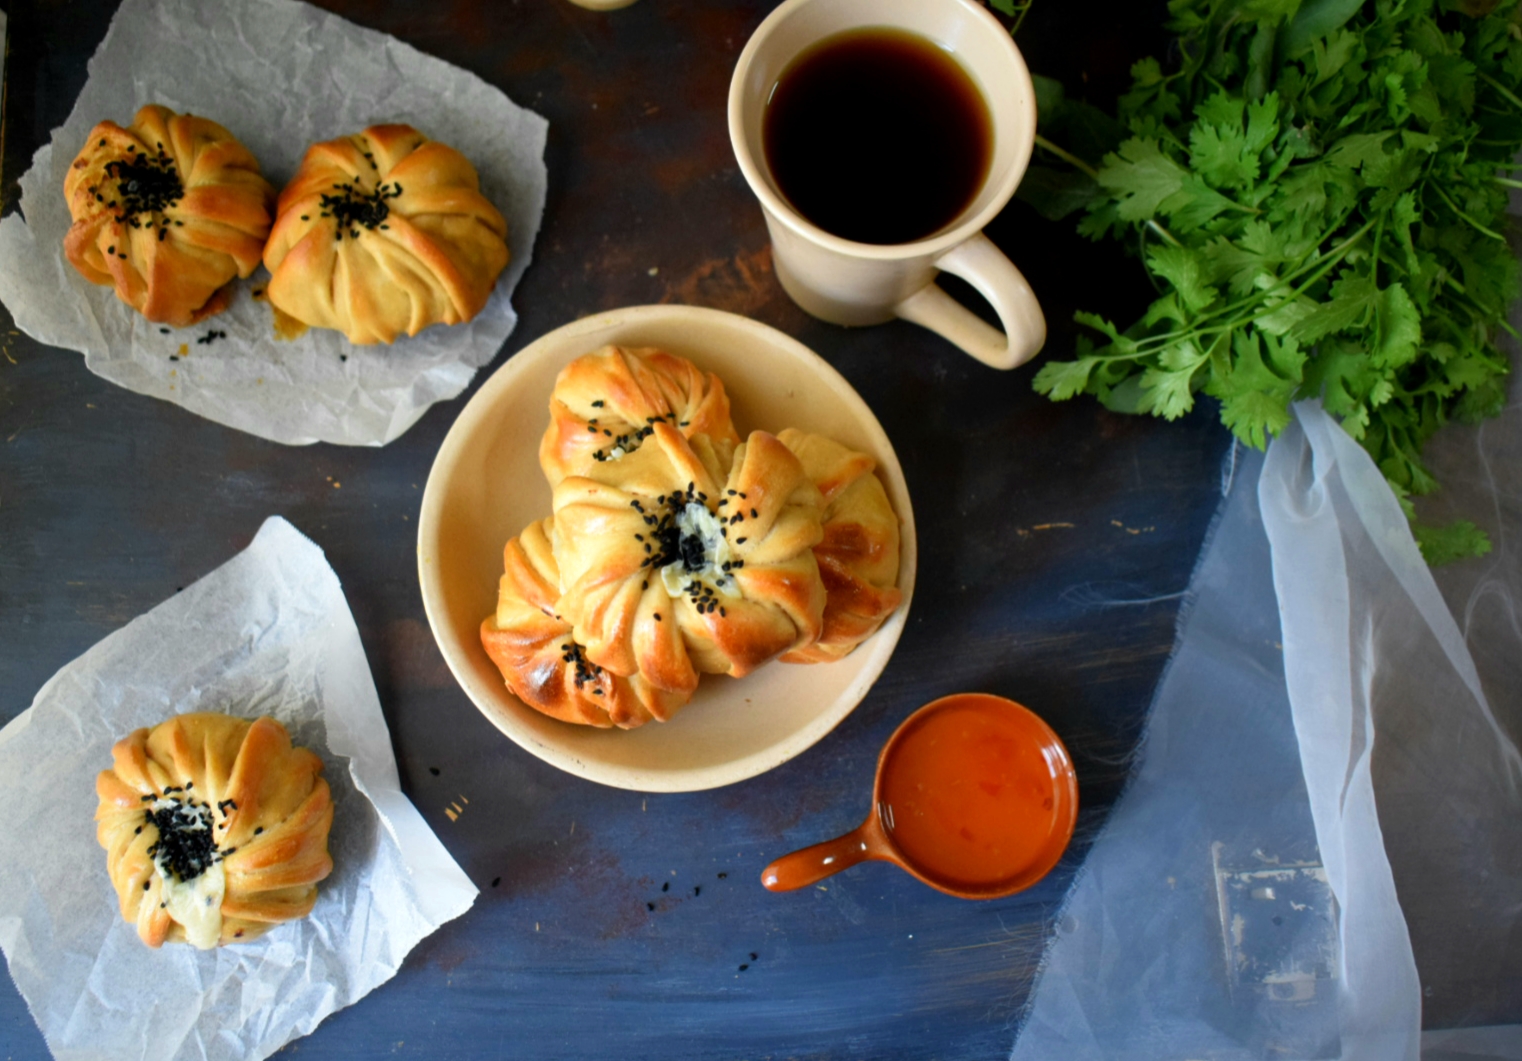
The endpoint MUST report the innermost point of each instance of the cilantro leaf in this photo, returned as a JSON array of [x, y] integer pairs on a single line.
[[1313, 185]]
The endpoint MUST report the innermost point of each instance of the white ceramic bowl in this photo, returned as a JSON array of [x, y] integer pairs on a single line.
[[486, 486]]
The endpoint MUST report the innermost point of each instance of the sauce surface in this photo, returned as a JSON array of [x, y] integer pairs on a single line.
[[969, 792]]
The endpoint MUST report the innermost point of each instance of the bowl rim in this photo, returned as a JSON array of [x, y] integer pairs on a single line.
[[878, 648]]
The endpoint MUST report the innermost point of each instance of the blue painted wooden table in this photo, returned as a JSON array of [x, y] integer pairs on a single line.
[[1055, 543]]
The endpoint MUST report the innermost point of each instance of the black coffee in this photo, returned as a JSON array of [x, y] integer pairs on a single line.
[[877, 135]]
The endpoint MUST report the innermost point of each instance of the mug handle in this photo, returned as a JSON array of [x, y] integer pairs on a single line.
[[995, 277]]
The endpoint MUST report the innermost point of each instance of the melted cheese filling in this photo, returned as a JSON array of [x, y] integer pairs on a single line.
[[196, 905], [696, 525]]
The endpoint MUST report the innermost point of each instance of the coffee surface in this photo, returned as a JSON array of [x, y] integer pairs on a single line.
[[878, 136]]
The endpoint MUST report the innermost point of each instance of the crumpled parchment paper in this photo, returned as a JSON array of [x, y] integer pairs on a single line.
[[280, 75], [268, 632]]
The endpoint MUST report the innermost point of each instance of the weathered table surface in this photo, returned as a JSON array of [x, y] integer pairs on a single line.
[[1056, 541]]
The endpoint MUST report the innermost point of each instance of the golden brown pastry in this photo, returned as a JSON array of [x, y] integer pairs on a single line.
[[671, 566], [858, 555], [215, 828], [542, 663], [605, 402], [384, 232], [167, 211]]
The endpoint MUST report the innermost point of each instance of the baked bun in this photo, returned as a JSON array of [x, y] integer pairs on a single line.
[[671, 565], [542, 663], [215, 828], [384, 232], [167, 211], [605, 402], [858, 555]]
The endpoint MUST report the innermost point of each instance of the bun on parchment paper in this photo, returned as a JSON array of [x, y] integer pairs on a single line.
[[382, 233], [215, 828], [167, 211]]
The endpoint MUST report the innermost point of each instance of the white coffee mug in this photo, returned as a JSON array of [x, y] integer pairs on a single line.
[[846, 282]]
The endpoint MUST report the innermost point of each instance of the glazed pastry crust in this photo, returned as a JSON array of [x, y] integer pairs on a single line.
[[173, 264], [622, 609], [537, 654], [607, 400], [272, 814], [428, 254], [858, 554]]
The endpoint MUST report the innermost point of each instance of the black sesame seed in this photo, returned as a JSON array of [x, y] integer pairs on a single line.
[[666, 886], [146, 885], [434, 770]]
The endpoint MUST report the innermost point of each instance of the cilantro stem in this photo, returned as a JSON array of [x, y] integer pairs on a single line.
[[1508, 182], [1505, 92], [1332, 257], [1318, 268], [1379, 234], [1023, 9], [1163, 232], [1066, 156], [1481, 229]]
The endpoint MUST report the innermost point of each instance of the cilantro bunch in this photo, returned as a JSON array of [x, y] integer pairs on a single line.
[[1318, 192]]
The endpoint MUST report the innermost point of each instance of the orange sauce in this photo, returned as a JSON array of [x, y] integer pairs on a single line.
[[968, 792]]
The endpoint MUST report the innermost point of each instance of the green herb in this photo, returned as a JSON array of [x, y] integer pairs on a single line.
[[1015, 9], [1318, 193]]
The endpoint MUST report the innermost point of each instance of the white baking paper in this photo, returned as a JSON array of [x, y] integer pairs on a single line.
[[267, 633], [280, 75]]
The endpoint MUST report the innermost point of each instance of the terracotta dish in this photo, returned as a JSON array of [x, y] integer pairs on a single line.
[[486, 486], [975, 796]]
